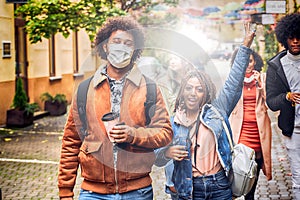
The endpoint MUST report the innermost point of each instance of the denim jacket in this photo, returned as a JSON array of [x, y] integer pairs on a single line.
[[213, 115], [182, 172]]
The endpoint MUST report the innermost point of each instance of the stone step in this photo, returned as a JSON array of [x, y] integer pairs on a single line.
[[40, 114]]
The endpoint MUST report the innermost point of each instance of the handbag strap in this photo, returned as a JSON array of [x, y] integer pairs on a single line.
[[196, 136]]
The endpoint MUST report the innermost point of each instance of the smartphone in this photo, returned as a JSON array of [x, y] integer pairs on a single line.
[[253, 26]]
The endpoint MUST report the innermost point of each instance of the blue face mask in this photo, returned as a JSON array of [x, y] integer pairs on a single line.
[[119, 55]]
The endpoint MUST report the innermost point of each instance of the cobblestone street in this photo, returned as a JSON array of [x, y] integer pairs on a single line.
[[29, 164]]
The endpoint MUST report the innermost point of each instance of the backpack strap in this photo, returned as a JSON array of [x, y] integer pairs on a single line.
[[81, 103], [150, 99]]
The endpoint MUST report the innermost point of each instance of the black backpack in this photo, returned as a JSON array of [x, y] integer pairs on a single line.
[[82, 96]]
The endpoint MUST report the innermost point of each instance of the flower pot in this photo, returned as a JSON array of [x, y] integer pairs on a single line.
[[55, 108], [18, 118]]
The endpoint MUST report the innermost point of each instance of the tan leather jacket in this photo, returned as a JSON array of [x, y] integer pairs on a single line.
[[95, 152], [263, 123]]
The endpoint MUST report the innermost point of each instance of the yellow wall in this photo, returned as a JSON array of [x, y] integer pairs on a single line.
[[7, 65], [7, 91], [38, 86], [38, 59]]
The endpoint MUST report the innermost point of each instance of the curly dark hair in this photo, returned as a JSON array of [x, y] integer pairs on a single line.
[[259, 63], [288, 27], [208, 86], [123, 23]]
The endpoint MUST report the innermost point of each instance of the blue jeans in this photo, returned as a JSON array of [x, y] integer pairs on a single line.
[[213, 187], [140, 194], [293, 150]]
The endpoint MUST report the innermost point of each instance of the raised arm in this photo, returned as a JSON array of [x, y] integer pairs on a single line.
[[232, 89]]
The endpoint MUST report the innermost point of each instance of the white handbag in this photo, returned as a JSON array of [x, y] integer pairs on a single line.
[[244, 167]]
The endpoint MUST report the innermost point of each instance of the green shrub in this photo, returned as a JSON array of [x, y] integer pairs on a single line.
[[61, 98], [20, 101]]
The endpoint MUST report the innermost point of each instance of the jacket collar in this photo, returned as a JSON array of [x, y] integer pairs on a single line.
[[276, 59], [276, 64], [135, 76]]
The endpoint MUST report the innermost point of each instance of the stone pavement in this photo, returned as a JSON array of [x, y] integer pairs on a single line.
[[29, 164]]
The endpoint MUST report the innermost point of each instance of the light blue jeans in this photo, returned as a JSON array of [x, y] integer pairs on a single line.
[[293, 150], [140, 194]]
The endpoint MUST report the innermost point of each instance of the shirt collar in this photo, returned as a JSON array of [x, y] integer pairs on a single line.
[[181, 118], [135, 75]]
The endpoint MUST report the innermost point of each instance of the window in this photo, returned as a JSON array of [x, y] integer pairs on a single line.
[[6, 49], [52, 56]]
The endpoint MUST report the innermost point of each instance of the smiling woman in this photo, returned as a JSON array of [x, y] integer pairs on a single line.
[[200, 153], [196, 89]]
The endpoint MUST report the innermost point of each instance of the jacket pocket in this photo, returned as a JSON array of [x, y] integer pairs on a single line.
[[139, 164], [90, 159]]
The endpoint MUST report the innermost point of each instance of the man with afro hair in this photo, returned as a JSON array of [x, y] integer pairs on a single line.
[[283, 90], [115, 162]]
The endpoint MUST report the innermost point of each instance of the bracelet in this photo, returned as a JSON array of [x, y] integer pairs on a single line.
[[288, 96]]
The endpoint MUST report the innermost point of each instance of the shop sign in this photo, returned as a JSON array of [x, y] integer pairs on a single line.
[[275, 7]]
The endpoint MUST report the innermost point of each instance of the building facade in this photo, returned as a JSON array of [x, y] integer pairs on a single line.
[[54, 65]]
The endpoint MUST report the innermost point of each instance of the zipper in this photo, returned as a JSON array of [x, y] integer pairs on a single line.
[[115, 156]]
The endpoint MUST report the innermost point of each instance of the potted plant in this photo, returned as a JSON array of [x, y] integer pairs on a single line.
[[21, 112], [55, 105]]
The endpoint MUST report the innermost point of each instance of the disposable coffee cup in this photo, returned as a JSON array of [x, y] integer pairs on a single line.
[[110, 120]]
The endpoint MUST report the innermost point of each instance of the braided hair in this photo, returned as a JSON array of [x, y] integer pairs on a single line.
[[209, 88]]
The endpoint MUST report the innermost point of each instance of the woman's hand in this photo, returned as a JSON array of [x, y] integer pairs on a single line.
[[249, 34], [177, 152], [256, 75]]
